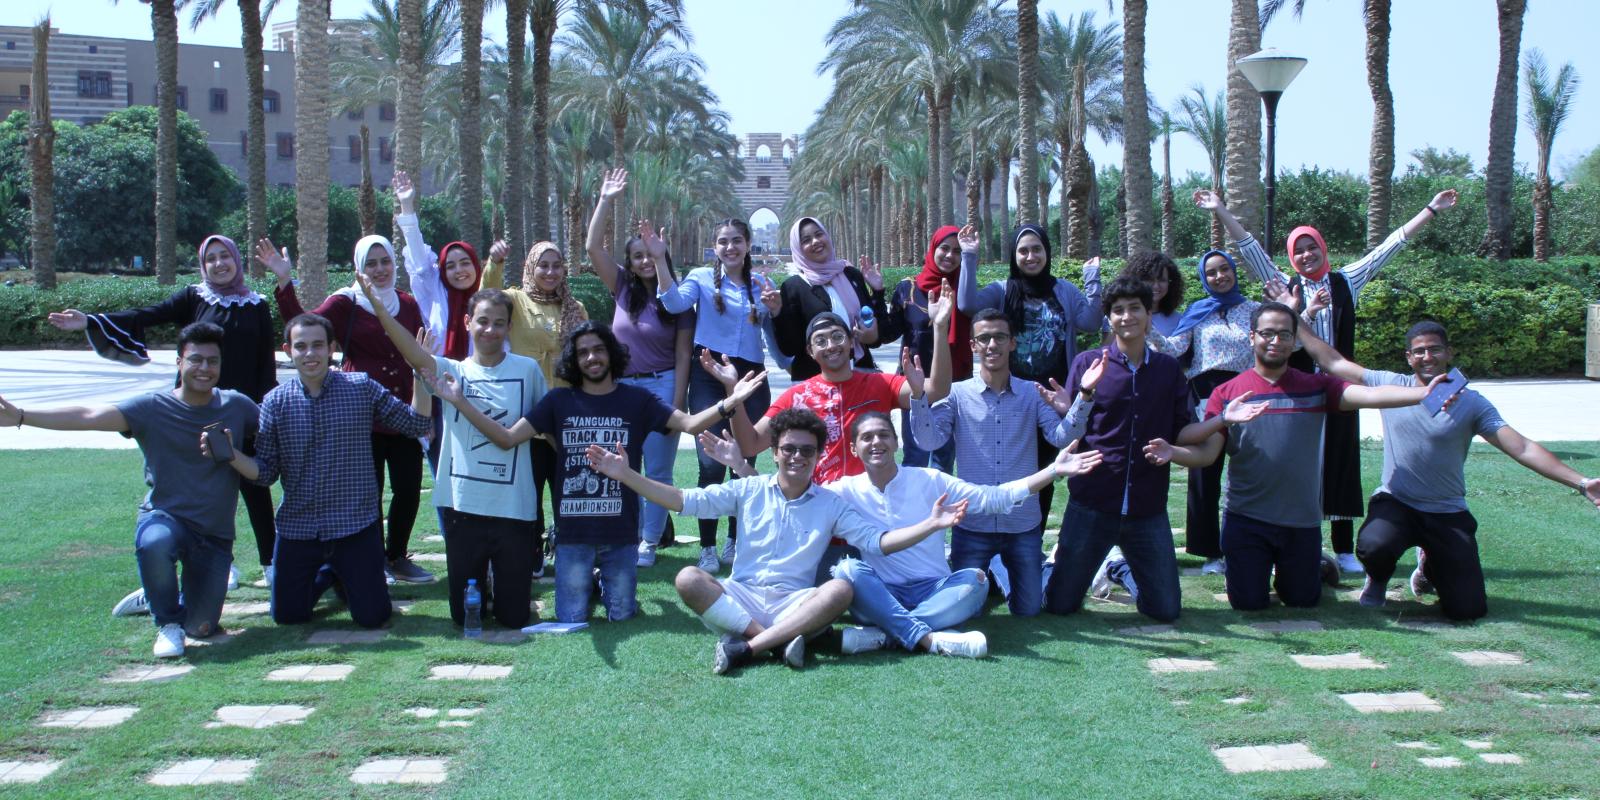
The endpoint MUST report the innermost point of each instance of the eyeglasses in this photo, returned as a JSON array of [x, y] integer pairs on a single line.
[[992, 338], [1436, 351], [828, 340], [1281, 336], [807, 451], [203, 361]]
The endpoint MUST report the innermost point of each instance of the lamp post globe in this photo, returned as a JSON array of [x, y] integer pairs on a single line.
[[1270, 71]]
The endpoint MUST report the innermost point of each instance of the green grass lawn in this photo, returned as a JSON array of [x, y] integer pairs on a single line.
[[1065, 707]]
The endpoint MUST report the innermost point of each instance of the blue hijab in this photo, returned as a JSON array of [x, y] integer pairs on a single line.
[[1212, 302]]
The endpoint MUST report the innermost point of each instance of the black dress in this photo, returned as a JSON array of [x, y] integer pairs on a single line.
[[248, 341], [801, 303]]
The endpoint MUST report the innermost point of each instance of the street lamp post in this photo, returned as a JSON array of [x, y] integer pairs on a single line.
[[1270, 71]]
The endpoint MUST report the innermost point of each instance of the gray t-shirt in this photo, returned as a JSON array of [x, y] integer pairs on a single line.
[[1424, 454], [198, 492]]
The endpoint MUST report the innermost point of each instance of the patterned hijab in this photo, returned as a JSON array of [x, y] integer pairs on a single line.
[[1197, 311], [235, 286]]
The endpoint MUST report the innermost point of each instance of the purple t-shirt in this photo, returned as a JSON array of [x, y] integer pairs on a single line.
[[651, 343]]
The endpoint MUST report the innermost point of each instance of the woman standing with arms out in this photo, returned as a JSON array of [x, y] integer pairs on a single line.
[[659, 342], [542, 312], [734, 312], [1046, 315], [367, 349], [821, 281], [1166, 288], [248, 345], [444, 285], [1342, 495]]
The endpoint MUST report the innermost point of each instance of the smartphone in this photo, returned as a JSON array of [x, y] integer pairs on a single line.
[[1446, 389], [217, 440]]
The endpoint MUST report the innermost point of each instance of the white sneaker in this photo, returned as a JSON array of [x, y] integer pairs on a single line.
[[647, 555], [132, 605], [1420, 585], [1101, 585], [861, 640], [169, 641], [708, 560], [233, 577], [267, 574], [1214, 566], [728, 549], [971, 644], [1349, 563]]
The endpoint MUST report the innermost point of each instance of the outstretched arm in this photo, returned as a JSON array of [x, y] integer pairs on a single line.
[[71, 418], [503, 437], [1356, 396], [942, 516], [1330, 360], [415, 354], [1160, 451], [708, 416], [1237, 412], [599, 256], [1441, 202], [1534, 456], [614, 464]]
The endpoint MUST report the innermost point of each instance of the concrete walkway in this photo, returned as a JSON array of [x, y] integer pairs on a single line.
[[1546, 410]]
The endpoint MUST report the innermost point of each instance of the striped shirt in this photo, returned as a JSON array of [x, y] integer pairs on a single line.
[[1275, 460], [322, 448], [1357, 274]]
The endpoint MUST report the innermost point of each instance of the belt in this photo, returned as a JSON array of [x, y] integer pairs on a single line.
[[640, 375]]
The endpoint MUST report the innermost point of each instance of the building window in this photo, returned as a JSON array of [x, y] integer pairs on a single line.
[[285, 145], [386, 112], [356, 113], [129, 87], [11, 45], [385, 150], [94, 84], [94, 48], [26, 92], [270, 102], [355, 148], [763, 182], [219, 100]]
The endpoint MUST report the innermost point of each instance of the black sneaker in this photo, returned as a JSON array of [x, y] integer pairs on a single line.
[[730, 654], [405, 570]]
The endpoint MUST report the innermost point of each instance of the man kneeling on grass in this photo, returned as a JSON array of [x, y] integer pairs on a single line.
[[911, 595], [785, 521]]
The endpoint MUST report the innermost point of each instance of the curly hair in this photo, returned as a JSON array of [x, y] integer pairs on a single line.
[[799, 419], [1151, 266], [567, 366]]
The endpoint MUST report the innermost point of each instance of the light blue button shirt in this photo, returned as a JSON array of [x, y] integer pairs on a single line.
[[729, 331], [906, 501]]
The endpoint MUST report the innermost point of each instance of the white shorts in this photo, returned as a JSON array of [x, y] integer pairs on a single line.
[[765, 605]]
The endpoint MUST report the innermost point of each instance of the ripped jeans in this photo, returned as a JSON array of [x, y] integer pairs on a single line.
[[908, 612]]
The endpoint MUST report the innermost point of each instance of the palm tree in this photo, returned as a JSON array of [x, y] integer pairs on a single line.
[[41, 161], [1077, 178], [1073, 106], [408, 100], [1207, 121], [1136, 128], [1027, 111], [164, 23], [1497, 173], [1549, 102], [252, 15], [469, 192], [512, 174], [311, 113], [1169, 222], [1244, 120], [367, 198]]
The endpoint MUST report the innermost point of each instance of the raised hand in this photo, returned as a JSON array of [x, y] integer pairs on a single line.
[[1318, 302], [366, 288], [947, 515], [1591, 490], [498, 251], [1207, 200], [1444, 200], [447, 390], [1158, 452], [724, 371], [747, 386], [610, 463], [771, 298], [70, 320], [871, 273], [724, 451], [405, 192], [614, 183], [939, 310], [205, 446], [967, 237], [1277, 291], [1070, 463], [1093, 263], [276, 261], [1059, 399], [655, 242], [1238, 411], [426, 338], [911, 367], [1097, 368]]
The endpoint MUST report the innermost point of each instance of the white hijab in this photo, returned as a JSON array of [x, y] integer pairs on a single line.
[[390, 298]]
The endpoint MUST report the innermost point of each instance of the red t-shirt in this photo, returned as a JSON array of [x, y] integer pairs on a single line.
[[838, 404]]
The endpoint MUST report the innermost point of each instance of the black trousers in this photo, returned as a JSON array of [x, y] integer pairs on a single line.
[[546, 466], [472, 542], [1451, 541], [401, 456], [1202, 526]]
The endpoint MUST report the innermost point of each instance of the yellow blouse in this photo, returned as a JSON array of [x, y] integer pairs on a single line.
[[535, 327]]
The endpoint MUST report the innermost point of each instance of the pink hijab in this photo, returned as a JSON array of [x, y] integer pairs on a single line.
[[829, 272], [1316, 236]]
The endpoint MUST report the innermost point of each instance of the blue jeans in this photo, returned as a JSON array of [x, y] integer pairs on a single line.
[[705, 391], [160, 543], [1146, 542], [306, 568], [575, 564], [1021, 553], [911, 611], [660, 452], [1258, 551], [943, 459]]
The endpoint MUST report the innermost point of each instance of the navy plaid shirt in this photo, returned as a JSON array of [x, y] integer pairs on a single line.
[[322, 448]]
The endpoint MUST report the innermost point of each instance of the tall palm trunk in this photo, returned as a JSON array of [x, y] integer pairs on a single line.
[[880, 216], [544, 32], [1543, 205], [1380, 161], [41, 162], [513, 188], [408, 102], [987, 203], [469, 200], [947, 154], [255, 140], [1136, 129], [997, 237], [1497, 173], [1079, 174], [933, 150], [164, 22], [1169, 215], [367, 203], [1244, 120], [1027, 114], [311, 113]]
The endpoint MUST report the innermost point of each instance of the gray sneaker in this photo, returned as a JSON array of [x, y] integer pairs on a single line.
[[972, 644], [730, 654], [647, 555], [407, 571], [861, 640], [708, 560], [132, 605], [1102, 584], [794, 653], [728, 549]]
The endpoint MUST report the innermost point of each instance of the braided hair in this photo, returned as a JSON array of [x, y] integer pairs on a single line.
[[716, 270]]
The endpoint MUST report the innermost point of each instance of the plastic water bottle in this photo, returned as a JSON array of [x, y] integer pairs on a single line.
[[867, 318], [472, 625]]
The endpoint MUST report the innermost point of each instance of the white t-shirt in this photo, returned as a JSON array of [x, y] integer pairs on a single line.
[[476, 476]]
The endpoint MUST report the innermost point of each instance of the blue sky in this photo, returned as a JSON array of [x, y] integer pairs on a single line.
[[761, 58]]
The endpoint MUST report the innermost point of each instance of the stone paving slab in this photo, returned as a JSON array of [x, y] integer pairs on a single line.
[[1489, 658], [1269, 758], [246, 609], [1391, 702], [348, 636], [84, 718], [400, 770], [1439, 762], [432, 558], [148, 673], [203, 771], [1181, 665], [1430, 625], [312, 673], [1289, 626], [1478, 744], [433, 538], [257, 717], [402, 606], [1500, 758], [1340, 661], [467, 672], [1236, 701], [27, 771], [218, 638]]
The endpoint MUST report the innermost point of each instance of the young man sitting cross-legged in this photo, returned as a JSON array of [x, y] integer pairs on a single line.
[[769, 601]]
